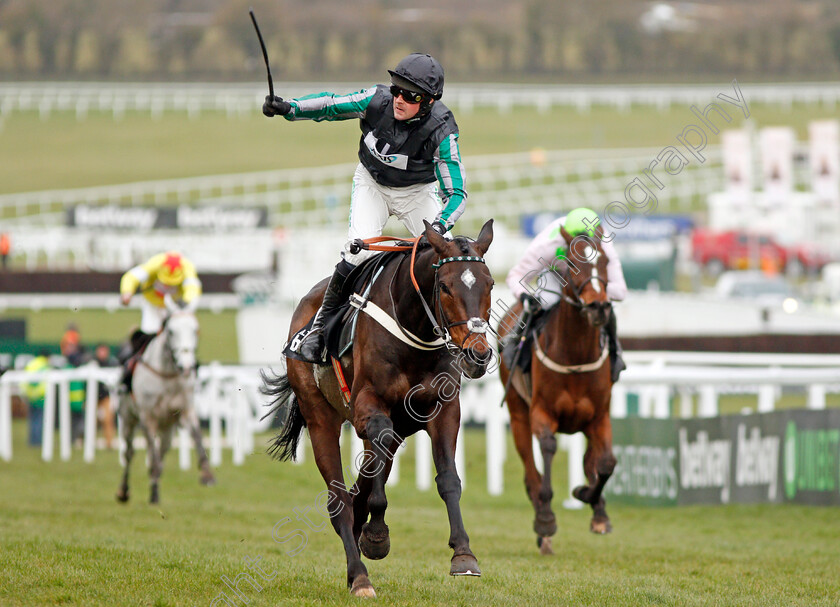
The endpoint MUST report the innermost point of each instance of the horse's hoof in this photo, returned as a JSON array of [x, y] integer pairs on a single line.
[[545, 524], [375, 546], [545, 546], [122, 496], [464, 564], [362, 588], [600, 526], [582, 493]]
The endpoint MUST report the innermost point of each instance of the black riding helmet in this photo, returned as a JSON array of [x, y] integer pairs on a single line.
[[419, 72]]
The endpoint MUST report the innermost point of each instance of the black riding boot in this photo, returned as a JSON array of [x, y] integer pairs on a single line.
[[616, 361], [312, 346], [138, 341]]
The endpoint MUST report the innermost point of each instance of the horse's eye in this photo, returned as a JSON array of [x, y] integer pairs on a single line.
[[445, 289]]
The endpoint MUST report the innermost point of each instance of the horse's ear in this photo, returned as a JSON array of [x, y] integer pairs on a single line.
[[599, 233], [485, 237], [437, 241], [566, 236]]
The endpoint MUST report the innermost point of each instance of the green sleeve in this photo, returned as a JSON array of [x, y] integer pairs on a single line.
[[450, 174], [330, 106]]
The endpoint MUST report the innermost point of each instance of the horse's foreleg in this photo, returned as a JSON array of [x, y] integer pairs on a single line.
[[520, 425], [598, 465], [374, 538], [191, 419], [325, 444], [443, 430], [129, 423], [155, 467]]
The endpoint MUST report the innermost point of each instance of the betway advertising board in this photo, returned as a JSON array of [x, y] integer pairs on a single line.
[[784, 456], [183, 217]]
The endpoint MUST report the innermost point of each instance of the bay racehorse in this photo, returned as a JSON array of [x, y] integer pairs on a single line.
[[161, 398], [568, 388], [424, 323]]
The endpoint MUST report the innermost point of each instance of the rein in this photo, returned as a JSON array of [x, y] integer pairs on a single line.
[[442, 332]]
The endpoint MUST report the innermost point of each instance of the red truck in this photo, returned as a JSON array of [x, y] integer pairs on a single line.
[[738, 250]]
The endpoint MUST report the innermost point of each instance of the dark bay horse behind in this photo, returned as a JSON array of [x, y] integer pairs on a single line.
[[568, 388], [161, 398], [424, 324]]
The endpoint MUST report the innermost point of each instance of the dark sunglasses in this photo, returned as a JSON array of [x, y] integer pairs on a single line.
[[409, 96]]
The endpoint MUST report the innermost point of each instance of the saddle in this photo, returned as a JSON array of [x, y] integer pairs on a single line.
[[340, 325], [508, 347]]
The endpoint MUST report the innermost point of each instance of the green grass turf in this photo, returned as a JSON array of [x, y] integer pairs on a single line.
[[218, 340], [66, 541], [60, 152]]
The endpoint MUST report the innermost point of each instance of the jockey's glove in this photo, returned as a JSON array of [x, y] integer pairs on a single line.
[[275, 106], [439, 228]]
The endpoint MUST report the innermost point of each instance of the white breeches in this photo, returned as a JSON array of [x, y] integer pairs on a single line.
[[372, 204], [152, 317]]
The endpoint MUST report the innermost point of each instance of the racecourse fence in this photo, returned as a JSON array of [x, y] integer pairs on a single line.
[[664, 384], [239, 99]]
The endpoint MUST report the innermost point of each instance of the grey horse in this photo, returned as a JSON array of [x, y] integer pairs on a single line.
[[162, 398]]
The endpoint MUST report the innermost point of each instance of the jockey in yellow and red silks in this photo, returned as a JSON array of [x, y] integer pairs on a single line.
[[164, 274]]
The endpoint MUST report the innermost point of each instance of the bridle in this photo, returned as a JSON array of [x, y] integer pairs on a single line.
[[577, 290], [441, 325]]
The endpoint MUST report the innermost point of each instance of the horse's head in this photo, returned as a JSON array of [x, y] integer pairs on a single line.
[[462, 295], [181, 329], [586, 276]]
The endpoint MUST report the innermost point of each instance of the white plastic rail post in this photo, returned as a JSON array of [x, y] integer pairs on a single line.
[[91, 403], [495, 435], [576, 477], [5, 421], [423, 461], [48, 430], [64, 418]]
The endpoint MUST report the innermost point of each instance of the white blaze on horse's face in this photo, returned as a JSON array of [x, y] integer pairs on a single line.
[[592, 255], [183, 340], [468, 278]]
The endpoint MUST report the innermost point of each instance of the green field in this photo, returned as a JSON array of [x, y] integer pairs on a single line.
[[66, 541], [60, 152]]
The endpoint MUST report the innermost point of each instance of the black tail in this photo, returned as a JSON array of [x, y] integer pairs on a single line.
[[284, 446]]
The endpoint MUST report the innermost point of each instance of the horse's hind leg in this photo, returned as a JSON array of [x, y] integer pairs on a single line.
[[324, 436], [598, 465], [374, 538], [129, 423]]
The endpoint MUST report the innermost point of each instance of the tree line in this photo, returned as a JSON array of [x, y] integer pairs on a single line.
[[563, 40]]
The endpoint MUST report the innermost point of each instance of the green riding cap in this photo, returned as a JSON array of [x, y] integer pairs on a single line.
[[579, 221], [582, 221]]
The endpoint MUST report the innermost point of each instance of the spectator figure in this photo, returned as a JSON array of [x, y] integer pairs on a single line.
[[5, 249], [104, 358], [72, 351], [35, 393]]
